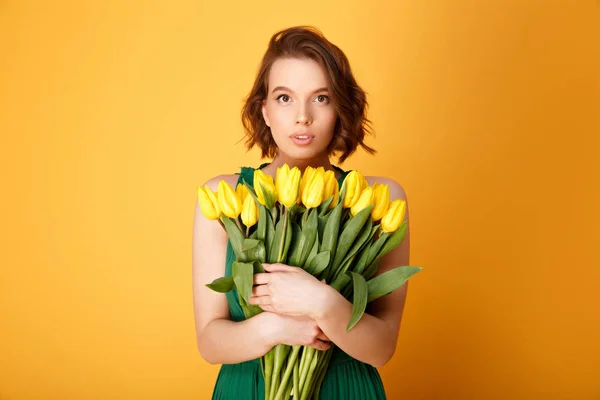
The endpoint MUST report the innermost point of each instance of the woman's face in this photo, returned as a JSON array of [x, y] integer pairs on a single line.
[[298, 103]]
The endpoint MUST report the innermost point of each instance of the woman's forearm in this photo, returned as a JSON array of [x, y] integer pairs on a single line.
[[224, 341], [371, 340]]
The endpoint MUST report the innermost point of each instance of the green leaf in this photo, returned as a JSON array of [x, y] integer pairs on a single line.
[[313, 253], [331, 231], [288, 240], [340, 281], [256, 252], [371, 269], [296, 210], [294, 249], [281, 240], [258, 269], [389, 281], [394, 240], [262, 222], [236, 237], [363, 236], [350, 233], [222, 285], [270, 234], [324, 206], [318, 263], [243, 277], [361, 260], [249, 244], [307, 238], [360, 299], [376, 247]]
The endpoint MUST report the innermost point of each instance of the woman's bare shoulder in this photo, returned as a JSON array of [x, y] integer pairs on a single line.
[[396, 189], [213, 183]]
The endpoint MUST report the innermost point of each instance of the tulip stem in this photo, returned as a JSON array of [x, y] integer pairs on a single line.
[[239, 224], [247, 231]]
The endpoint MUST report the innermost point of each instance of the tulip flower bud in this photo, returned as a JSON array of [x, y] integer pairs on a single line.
[[249, 211], [287, 185], [241, 192], [306, 177], [381, 199], [208, 202], [365, 199], [312, 194], [354, 183], [331, 188], [263, 185], [394, 216], [229, 202]]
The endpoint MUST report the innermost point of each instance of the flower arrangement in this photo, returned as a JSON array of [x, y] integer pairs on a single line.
[[305, 220]]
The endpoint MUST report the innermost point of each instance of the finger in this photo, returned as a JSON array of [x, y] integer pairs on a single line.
[[260, 301], [268, 308], [261, 278], [323, 337], [260, 290], [279, 267], [319, 345]]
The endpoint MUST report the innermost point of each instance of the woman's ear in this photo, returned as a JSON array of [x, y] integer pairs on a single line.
[[264, 113]]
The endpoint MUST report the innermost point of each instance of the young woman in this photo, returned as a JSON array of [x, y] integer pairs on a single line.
[[305, 106]]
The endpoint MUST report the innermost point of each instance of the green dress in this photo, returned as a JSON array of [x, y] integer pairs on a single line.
[[346, 378]]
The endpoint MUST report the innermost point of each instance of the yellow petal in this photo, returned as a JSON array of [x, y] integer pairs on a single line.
[[353, 184], [241, 191], [312, 196], [394, 216], [209, 208], [365, 200], [381, 201], [230, 204], [249, 211], [263, 183]]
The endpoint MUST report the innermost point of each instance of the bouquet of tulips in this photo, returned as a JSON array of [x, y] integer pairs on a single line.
[[307, 221]]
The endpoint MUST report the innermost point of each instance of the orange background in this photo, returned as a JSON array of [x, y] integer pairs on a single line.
[[486, 112]]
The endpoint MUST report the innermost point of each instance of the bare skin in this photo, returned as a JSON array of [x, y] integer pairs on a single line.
[[298, 309]]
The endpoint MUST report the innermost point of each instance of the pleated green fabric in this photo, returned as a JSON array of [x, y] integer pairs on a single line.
[[346, 378]]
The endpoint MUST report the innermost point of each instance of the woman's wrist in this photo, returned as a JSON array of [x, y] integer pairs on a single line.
[[270, 328], [325, 300]]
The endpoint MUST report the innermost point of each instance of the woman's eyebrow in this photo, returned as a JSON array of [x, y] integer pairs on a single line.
[[323, 89]]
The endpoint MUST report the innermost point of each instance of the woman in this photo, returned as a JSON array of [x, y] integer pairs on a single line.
[[305, 105]]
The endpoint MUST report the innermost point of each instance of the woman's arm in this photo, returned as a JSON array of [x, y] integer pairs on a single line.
[[220, 340], [373, 339]]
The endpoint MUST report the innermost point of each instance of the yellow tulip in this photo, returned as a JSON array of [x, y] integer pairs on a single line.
[[249, 211], [354, 183], [331, 187], [381, 200], [365, 199], [307, 176], [229, 202], [394, 216], [209, 204], [241, 191], [263, 184], [312, 194], [287, 185]]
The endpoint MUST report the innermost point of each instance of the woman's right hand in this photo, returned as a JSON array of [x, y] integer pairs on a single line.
[[297, 330]]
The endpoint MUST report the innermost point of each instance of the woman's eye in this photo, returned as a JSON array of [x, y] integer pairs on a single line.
[[324, 98], [283, 95]]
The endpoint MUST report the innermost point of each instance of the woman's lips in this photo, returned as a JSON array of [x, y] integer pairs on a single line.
[[302, 142]]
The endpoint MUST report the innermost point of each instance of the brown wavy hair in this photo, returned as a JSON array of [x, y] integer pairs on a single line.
[[348, 99]]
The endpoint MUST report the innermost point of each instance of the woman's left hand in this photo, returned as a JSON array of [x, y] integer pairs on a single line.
[[288, 290]]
